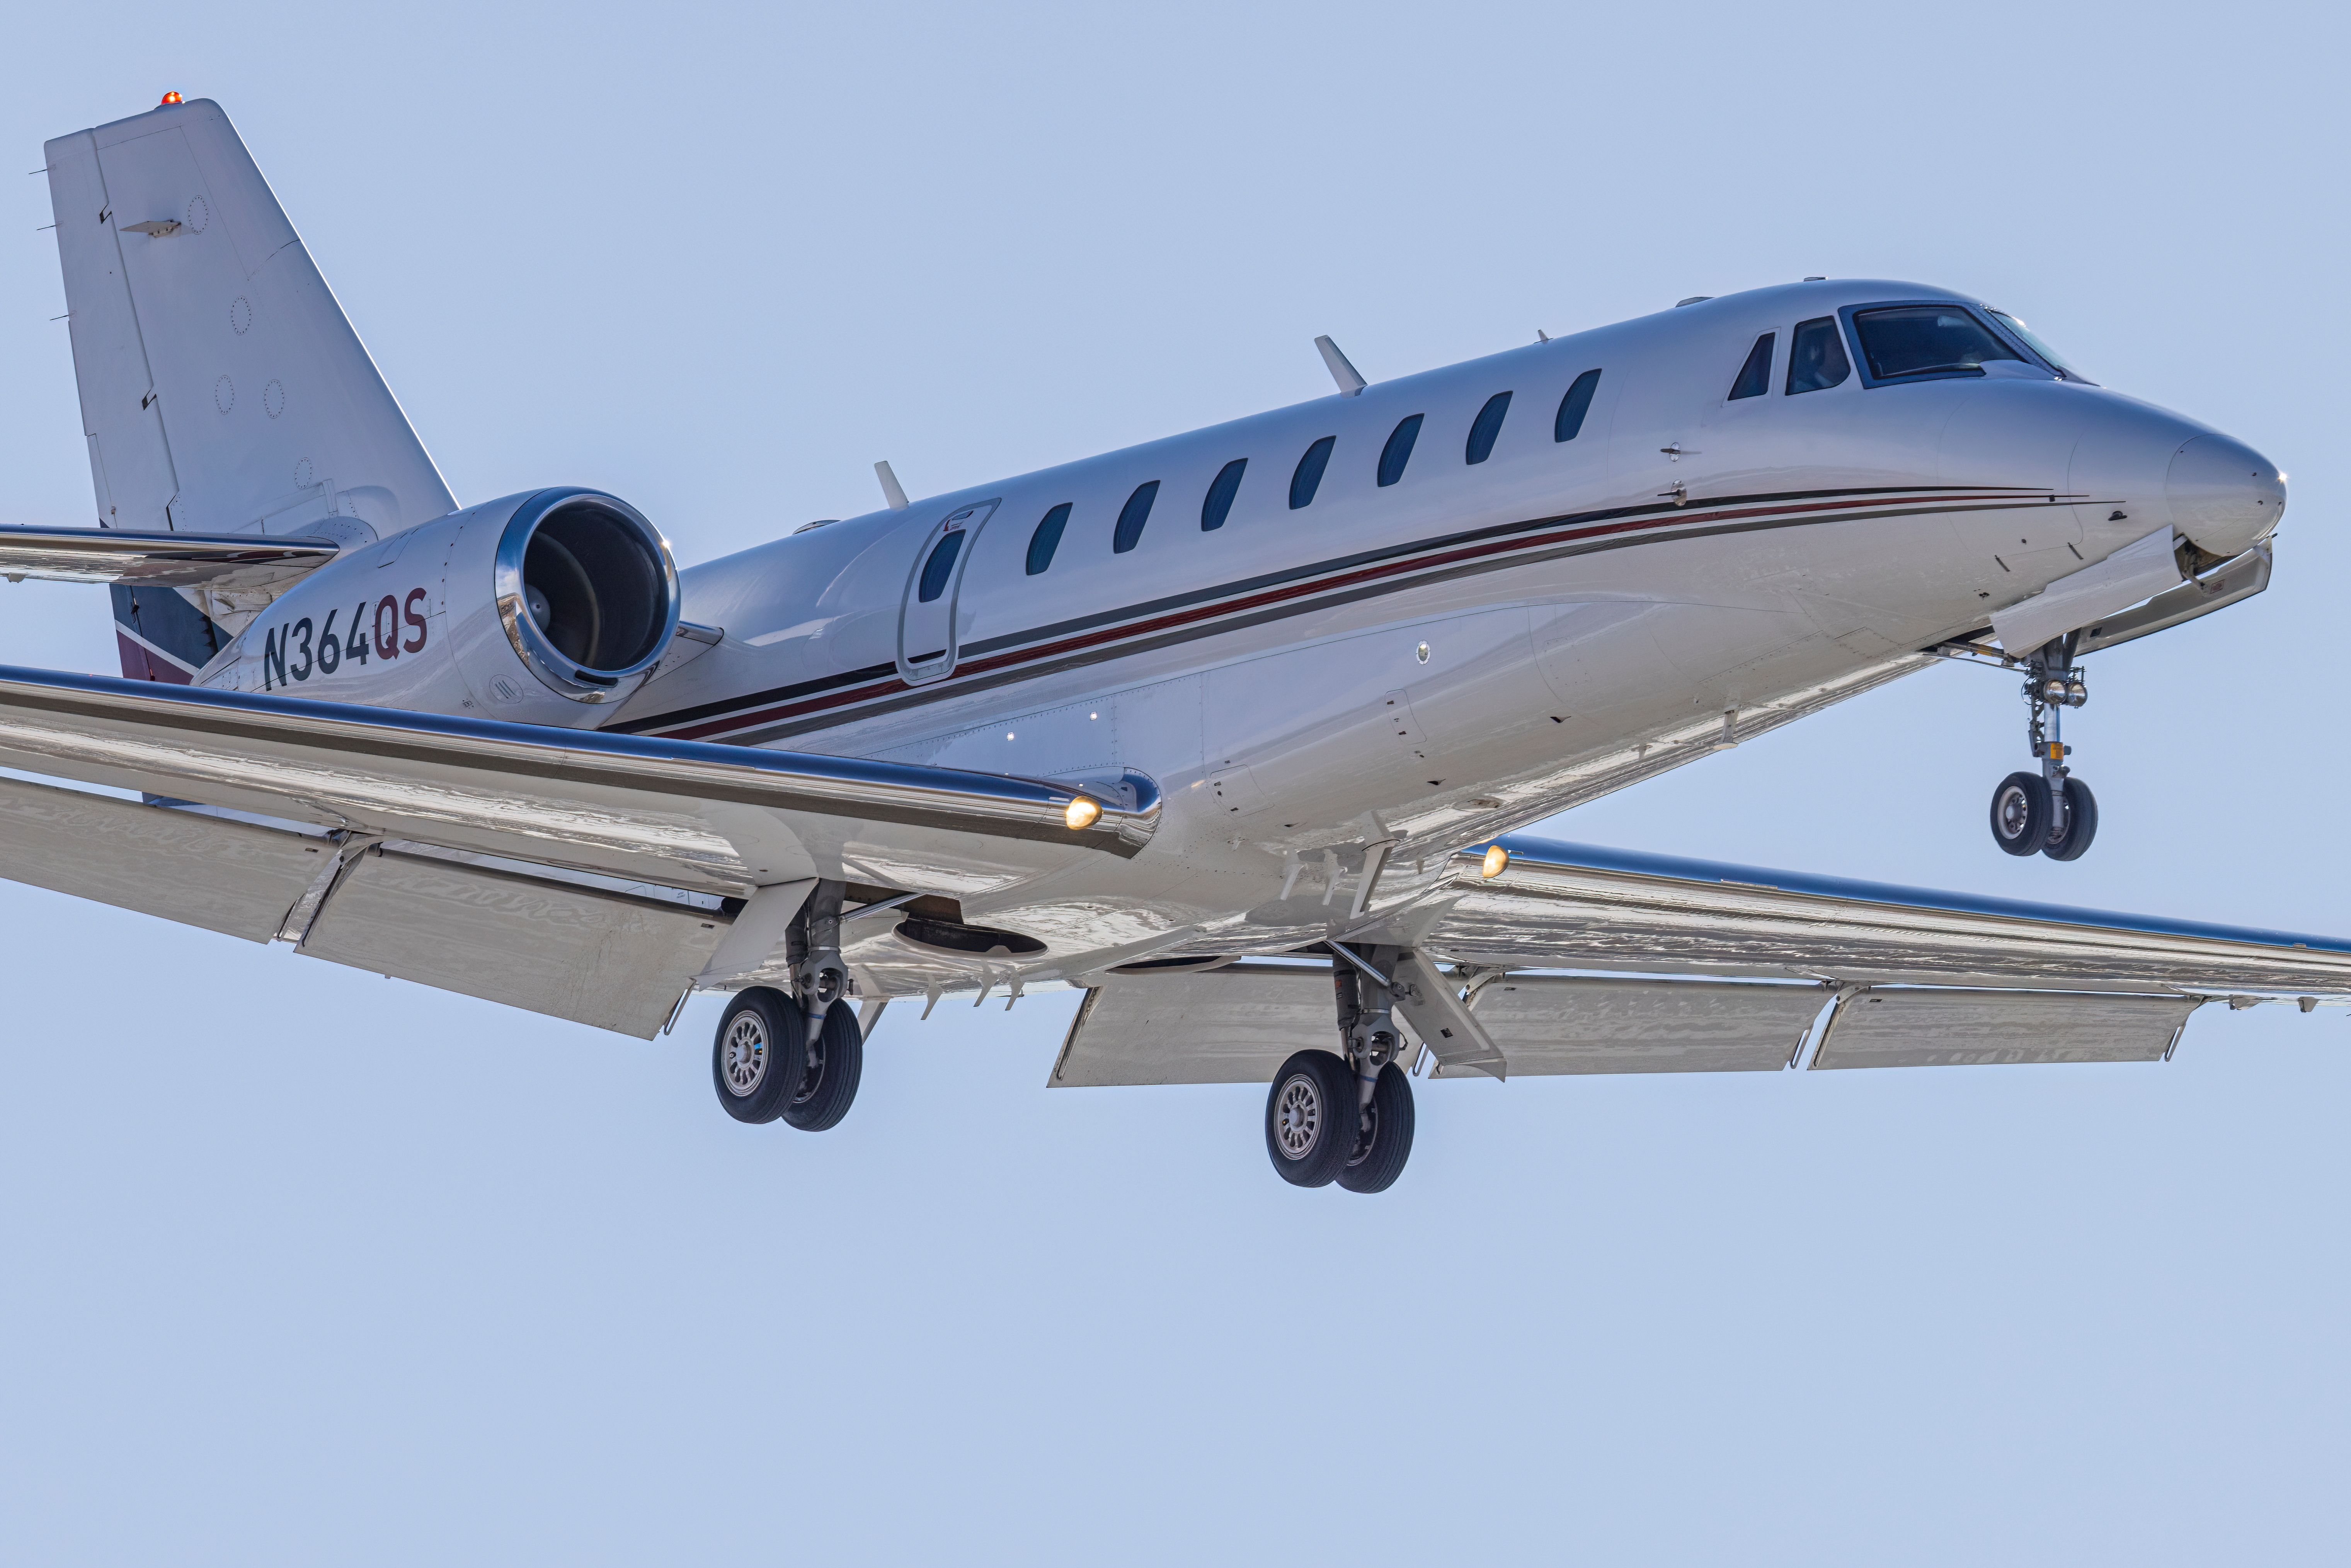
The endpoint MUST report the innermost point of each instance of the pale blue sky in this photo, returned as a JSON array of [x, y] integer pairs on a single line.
[[301, 1266]]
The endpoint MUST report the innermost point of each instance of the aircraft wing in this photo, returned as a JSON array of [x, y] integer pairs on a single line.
[[589, 875], [1581, 959]]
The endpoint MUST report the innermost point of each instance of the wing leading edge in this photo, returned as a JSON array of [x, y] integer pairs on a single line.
[[720, 819], [1586, 907]]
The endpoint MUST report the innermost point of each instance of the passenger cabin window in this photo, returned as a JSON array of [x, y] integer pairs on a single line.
[[1133, 515], [1398, 451], [1487, 426], [1219, 501], [1309, 478], [1575, 406], [939, 568], [1755, 375], [1047, 538], [1925, 340], [1816, 355]]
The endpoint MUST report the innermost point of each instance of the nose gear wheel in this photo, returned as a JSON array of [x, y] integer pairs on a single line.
[[2020, 813], [2050, 811], [2081, 823]]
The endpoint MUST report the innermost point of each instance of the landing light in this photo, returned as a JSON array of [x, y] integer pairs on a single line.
[[1082, 814], [1497, 860], [170, 99]]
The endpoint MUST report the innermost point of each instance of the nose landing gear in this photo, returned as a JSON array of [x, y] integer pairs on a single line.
[[2048, 813]]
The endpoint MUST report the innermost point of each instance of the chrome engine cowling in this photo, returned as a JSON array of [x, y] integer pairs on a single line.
[[550, 606]]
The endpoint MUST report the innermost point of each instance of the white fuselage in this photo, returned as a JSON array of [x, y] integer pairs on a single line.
[[1389, 672]]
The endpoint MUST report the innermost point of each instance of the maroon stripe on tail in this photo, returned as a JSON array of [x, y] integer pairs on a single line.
[[139, 664]]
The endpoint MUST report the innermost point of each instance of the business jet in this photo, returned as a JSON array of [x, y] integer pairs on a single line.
[[1235, 731]]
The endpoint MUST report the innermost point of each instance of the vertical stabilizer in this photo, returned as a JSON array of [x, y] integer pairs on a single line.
[[222, 389]]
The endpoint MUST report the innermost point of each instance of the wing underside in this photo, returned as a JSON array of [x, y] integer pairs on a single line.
[[588, 876], [1581, 960]]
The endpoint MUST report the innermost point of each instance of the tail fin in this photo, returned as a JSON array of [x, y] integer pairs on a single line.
[[222, 389]]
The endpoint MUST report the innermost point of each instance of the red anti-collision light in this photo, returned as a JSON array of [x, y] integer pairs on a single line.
[[170, 99]]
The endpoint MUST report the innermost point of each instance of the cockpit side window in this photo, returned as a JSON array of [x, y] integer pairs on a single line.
[[2033, 341], [1817, 357], [1919, 340], [1755, 375]]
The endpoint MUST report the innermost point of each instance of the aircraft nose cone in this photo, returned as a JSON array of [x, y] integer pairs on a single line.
[[2224, 496]]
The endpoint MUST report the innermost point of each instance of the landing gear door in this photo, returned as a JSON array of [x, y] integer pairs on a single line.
[[926, 617]]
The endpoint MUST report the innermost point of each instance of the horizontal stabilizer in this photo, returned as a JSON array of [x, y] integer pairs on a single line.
[[241, 561]]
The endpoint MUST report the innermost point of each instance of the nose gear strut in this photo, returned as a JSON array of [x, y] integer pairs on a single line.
[[2049, 811]]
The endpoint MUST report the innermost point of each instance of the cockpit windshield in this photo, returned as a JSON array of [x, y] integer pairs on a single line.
[[1900, 340], [2033, 341]]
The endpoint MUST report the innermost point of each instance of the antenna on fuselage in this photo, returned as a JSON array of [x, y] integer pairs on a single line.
[[1351, 380], [892, 491]]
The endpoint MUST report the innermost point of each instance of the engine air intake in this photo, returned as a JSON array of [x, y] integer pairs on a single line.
[[587, 591]]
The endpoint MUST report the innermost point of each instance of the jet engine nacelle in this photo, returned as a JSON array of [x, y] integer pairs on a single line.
[[550, 606]]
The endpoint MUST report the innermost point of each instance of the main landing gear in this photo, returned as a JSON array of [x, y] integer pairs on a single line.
[[794, 1057], [1345, 1118], [2048, 813]]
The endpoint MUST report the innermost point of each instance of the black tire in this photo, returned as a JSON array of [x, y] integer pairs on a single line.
[[1379, 1158], [2081, 823], [764, 1025], [836, 1060], [1311, 1118], [2021, 813]]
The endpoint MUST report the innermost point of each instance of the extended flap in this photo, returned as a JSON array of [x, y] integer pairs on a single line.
[[1970, 1028], [595, 956]]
